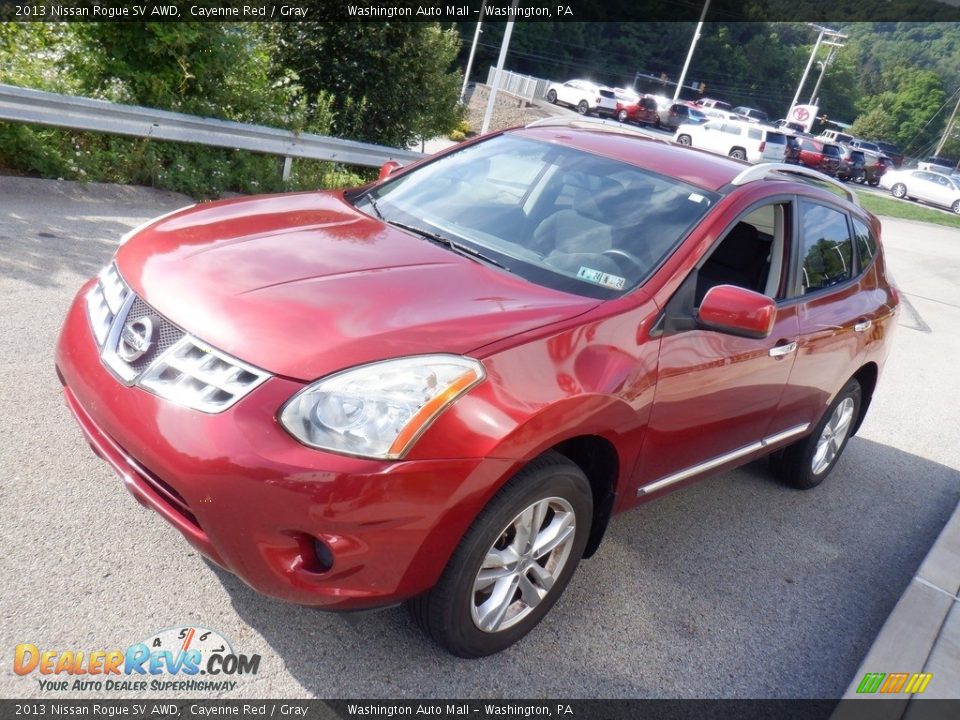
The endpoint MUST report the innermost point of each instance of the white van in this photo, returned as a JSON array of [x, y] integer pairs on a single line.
[[738, 139]]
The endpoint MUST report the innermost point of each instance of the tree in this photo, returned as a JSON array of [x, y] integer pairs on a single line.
[[904, 113], [217, 69], [388, 82]]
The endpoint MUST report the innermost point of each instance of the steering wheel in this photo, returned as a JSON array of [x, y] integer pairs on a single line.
[[618, 256]]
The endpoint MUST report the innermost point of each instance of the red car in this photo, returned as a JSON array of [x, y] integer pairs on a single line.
[[820, 155], [642, 112], [439, 388]]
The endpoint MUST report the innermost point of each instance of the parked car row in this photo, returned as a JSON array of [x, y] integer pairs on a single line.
[[741, 132]]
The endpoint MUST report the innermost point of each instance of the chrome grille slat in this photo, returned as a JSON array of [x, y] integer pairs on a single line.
[[175, 366]]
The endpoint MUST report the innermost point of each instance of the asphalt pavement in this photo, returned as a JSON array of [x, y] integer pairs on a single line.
[[734, 587]]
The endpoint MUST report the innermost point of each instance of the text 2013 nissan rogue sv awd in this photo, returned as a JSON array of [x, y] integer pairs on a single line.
[[438, 388]]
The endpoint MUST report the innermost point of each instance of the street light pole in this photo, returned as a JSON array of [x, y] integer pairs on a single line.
[[834, 46], [809, 64], [500, 61], [693, 45], [473, 50]]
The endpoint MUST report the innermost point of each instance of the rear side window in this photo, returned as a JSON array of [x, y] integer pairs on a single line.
[[826, 252], [866, 242], [831, 151], [755, 134], [607, 94], [648, 104]]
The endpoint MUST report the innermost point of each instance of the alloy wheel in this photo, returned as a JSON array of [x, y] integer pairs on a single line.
[[522, 565], [833, 435]]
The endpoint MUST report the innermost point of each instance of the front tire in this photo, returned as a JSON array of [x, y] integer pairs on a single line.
[[622, 116], [808, 462], [956, 207], [552, 97], [899, 190], [685, 140], [513, 563]]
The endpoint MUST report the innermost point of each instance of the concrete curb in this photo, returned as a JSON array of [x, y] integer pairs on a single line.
[[922, 634]]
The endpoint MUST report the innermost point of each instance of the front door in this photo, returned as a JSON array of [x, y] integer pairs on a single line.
[[716, 393]]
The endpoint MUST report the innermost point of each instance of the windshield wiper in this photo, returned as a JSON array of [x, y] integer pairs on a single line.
[[373, 206], [446, 242]]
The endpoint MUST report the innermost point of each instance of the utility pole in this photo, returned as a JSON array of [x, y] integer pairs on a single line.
[[809, 64], [949, 128], [693, 45], [473, 50], [500, 61], [834, 46]]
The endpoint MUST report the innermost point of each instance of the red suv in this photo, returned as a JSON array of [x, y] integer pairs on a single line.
[[642, 112], [441, 386], [820, 155]]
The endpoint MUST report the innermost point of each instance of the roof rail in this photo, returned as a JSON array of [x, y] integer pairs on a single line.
[[766, 170], [593, 124]]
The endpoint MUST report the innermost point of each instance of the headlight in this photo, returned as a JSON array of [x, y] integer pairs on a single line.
[[378, 410]]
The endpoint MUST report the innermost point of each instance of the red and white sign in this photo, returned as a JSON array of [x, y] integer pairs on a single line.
[[804, 114]]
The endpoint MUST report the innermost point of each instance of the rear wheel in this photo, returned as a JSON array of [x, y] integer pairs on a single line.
[[582, 107], [738, 154], [552, 97], [684, 140], [899, 190], [513, 563], [956, 207], [806, 463]]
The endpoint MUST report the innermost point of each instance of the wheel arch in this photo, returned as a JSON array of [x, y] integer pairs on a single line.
[[867, 377], [599, 460]]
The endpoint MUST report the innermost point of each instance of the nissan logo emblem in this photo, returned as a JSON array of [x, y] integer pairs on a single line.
[[136, 339]]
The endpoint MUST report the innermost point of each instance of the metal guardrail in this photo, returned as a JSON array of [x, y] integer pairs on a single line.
[[65, 111]]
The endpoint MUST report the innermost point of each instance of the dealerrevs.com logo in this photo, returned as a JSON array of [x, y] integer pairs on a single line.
[[190, 659]]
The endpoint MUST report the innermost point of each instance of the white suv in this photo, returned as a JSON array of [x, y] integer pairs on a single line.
[[582, 95], [738, 139]]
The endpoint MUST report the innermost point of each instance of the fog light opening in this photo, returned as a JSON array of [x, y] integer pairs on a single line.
[[317, 555]]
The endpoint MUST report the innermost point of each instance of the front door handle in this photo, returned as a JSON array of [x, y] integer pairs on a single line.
[[781, 350], [863, 325]]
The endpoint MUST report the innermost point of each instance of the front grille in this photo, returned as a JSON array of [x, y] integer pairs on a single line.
[[176, 366], [166, 334], [195, 374]]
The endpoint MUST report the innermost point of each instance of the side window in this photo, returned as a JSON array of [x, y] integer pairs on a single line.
[[866, 243], [751, 254], [826, 253], [755, 134]]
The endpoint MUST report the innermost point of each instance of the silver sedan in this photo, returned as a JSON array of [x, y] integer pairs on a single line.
[[930, 187]]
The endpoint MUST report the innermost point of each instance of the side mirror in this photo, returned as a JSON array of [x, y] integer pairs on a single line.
[[387, 169], [737, 311]]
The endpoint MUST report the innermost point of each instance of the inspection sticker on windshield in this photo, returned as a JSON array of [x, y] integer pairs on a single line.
[[601, 278]]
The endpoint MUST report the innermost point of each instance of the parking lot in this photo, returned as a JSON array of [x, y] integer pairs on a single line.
[[734, 587]]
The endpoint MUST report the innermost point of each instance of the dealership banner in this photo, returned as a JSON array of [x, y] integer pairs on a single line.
[[465, 11], [55, 709]]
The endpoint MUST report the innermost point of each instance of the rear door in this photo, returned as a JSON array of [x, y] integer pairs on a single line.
[[835, 311]]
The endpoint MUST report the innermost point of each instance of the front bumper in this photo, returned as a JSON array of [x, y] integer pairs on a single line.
[[252, 499]]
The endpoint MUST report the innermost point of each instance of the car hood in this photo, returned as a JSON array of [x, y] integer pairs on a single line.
[[303, 285]]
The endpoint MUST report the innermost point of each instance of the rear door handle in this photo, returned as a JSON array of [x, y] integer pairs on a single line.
[[863, 325], [780, 350]]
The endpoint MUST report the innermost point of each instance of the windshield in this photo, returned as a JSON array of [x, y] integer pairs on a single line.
[[556, 216]]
